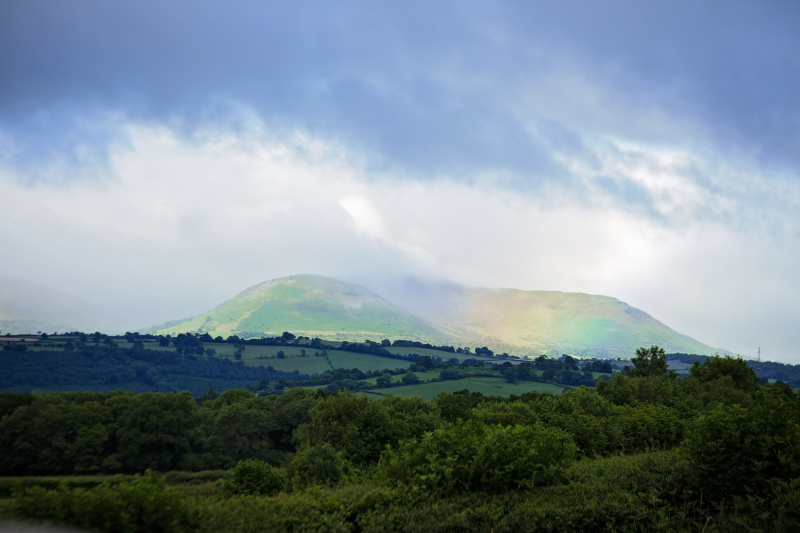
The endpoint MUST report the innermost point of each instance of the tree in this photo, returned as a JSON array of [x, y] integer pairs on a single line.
[[476, 457], [716, 367], [317, 465], [650, 362], [510, 374], [739, 450], [384, 381], [287, 336], [361, 428], [281, 355], [424, 360], [253, 477], [410, 378], [154, 431]]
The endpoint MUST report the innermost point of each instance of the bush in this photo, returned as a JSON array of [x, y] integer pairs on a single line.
[[384, 381], [409, 378], [253, 477], [317, 465], [313, 510], [739, 450], [360, 428], [505, 414], [476, 457], [145, 504]]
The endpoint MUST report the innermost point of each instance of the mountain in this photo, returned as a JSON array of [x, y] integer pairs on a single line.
[[27, 307], [309, 305], [542, 321], [512, 320]]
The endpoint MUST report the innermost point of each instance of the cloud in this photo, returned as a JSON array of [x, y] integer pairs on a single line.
[[366, 220], [169, 157], [455, 90], [186, 224]]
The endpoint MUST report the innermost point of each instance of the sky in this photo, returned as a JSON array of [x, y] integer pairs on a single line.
[[158, 157]]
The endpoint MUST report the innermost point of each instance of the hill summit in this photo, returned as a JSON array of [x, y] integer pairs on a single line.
[[310, 305], [544, 321], [511, 320]]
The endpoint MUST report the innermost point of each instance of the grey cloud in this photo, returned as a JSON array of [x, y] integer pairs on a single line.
[[424, 89]]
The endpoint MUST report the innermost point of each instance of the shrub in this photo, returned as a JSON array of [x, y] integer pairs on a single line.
[[384, 381], [506, 414], [313, 510], [360, 428], [449, 374], [477, 457], [739, 450], [252, 477], [317, 465], [145, 503], [409, 378]]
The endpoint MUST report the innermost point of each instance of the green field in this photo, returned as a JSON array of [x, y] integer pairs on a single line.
[[435, 353], [364, 362], [423, 376], [487, 386], [304, 365]]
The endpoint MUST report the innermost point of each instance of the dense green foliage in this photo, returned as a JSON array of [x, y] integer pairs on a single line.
[[474, 457], [62, 433], [109, 367], [146, 504], [253, 477], [711, 451]]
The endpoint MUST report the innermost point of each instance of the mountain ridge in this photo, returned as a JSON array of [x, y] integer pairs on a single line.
[[512, 320], [311, 305]]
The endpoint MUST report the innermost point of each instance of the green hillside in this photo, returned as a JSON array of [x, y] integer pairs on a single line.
[[549, 321], [314, 306], [516, 321]]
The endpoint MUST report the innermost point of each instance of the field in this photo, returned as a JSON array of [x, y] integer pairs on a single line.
[[364, 362], [435, 353], [304, 365], [487, 386]]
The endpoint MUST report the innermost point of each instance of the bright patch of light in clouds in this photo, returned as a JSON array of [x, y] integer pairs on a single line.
[[181, 224]]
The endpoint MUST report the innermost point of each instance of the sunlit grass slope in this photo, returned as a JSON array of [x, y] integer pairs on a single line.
[[549, 321], [310, 305]]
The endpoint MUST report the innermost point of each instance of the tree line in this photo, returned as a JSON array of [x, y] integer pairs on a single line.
[[644, 451]]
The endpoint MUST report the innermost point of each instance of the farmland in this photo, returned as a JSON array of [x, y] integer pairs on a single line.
[[486, 386]]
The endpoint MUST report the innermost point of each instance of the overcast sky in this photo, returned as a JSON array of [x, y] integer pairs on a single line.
[[158, 157]]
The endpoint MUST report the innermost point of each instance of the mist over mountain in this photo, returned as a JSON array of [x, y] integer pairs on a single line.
[[542, 321], [512, 320], [309, 305], [27, 307]]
